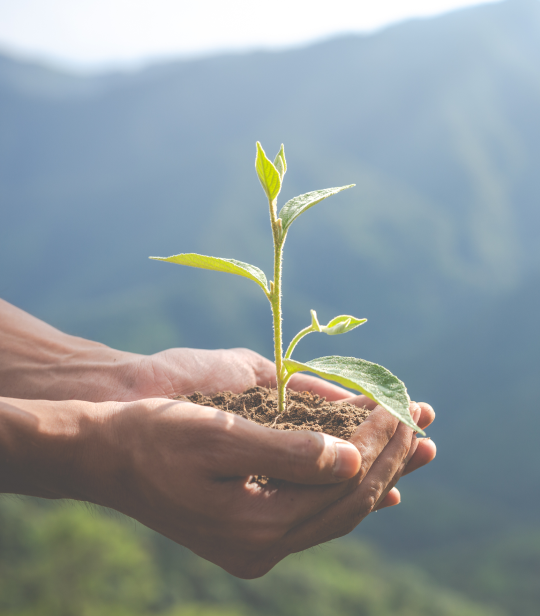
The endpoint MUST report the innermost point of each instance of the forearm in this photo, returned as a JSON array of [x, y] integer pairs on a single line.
[[43, 445], [38, 361]]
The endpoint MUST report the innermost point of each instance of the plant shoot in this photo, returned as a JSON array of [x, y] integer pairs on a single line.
[[376, 382]]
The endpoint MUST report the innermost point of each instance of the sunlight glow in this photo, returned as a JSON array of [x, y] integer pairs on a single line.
[[97, 33]]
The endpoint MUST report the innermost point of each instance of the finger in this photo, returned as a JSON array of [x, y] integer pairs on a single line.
[[386, 470], [343, 516], [427, 415], [392, 499], [299, 503], [294, 503], [325, 389], [372, 436], [303, 502], [244, 448], [424, 454], [398, 474]]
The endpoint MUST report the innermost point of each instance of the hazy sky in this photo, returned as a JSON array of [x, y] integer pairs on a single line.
[[91, 34]]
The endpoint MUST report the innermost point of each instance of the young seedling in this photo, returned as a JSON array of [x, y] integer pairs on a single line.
[[376, 382]]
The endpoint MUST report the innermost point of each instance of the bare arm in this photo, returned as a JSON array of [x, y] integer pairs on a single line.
[[37, 361]]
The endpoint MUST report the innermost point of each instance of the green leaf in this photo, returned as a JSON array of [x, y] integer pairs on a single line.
[[342, 324], [280, 163], [373, 380], [293, 208], [219, 265], [268, 175]]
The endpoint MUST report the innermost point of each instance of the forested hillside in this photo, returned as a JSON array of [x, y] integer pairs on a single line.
[[438, 124]]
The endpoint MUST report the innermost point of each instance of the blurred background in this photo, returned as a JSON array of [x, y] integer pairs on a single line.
[[128, 129]]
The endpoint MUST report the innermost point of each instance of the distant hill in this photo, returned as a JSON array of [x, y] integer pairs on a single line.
[[436, 121]]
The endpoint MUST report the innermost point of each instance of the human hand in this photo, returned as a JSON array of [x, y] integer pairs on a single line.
[[185, 470], [184, 371], [60, 367], [40, 362], [107, 374]]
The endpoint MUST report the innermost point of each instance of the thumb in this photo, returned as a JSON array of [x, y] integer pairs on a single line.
[[300, 456]]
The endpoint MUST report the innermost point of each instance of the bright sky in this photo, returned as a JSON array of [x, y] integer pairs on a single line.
[[94, 34]]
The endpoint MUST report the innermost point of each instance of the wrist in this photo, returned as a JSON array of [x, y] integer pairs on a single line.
[[70, 368], [44, 446], [89, 371], [39, 362]]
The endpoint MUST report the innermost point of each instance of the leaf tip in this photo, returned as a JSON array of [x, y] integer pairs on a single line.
[[280, 163]]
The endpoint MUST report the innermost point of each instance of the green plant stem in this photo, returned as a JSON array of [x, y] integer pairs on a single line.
[[294, 342], [297, 338], [275, 302]]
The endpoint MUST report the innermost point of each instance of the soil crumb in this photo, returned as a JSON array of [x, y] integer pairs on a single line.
[[305, 410]]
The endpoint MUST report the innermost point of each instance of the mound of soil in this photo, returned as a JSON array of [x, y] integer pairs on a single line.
[[305, 410]]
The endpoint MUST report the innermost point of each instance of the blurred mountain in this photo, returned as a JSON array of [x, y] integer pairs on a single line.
[[438, 124], [434, 120]]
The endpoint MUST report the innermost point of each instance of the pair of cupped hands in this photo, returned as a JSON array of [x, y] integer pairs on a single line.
[[82, 421], [184, 470]]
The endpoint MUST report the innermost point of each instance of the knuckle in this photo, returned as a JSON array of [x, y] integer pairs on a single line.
[[411, 451], [370, 499], [406, 446]]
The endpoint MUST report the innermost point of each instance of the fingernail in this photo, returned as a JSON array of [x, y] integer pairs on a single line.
[[346, 463]]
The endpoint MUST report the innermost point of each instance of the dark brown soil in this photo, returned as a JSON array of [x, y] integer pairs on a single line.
[[305, 411]]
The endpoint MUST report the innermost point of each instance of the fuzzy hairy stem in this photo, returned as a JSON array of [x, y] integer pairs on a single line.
[[297, 338], [275, 302]]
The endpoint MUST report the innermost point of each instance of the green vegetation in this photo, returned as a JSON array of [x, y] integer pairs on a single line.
[[371, 379], [63, 560], [67, 561]]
